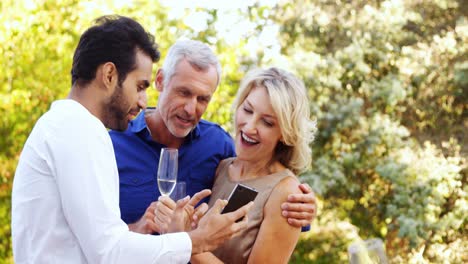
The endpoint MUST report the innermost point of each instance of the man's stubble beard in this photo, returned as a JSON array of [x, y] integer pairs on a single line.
[[116, 110]]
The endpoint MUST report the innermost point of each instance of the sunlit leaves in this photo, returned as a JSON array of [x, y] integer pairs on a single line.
[[384, 75]]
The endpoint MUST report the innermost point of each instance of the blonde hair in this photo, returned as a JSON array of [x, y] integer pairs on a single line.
[[288, 98]]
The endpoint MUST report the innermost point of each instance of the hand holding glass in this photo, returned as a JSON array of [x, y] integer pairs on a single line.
[[167, 170]]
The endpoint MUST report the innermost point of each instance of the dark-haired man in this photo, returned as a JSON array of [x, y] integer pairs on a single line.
[[65, 199]]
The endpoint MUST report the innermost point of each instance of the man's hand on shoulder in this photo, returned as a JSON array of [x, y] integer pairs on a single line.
[[300, 209]]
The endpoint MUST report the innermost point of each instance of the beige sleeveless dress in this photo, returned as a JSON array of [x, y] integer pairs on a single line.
[[237, 250]]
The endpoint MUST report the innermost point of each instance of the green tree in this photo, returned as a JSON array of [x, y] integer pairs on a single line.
[[381, 80], [35, 59]]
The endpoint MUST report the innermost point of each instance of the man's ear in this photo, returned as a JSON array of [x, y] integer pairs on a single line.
[[159, 80], [109, 76]]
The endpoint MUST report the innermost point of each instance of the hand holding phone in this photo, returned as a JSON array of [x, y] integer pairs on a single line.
[[240, 196]]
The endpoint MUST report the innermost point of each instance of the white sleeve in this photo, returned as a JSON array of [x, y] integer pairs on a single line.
[[88, 183]]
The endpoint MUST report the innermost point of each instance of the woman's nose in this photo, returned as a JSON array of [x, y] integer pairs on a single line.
[[250, 125]]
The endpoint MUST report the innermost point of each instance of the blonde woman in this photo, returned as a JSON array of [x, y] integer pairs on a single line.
[[273, 132]]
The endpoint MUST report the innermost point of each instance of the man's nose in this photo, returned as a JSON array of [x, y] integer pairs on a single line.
[[191, 106], [142, 100]]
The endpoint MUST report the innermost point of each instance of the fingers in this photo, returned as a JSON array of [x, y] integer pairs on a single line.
[[239, 226], [148, 218], [302, 198], [199, 196], [167, 201], [214, 228], [162, 217], [218, 206], [240, 212], [162, 210], [163, 213], [152, 206], [162, 222], [299, 207], [182, 202], [200, 211], [153, 225], [298, 215], [305, 188], [298, 223]]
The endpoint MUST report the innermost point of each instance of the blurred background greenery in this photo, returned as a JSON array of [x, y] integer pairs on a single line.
[[387, 80]]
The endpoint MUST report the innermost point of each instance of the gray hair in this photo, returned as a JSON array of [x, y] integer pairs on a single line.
[[197, 53]]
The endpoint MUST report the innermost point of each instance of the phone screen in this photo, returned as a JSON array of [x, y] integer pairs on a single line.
[[240, 196]]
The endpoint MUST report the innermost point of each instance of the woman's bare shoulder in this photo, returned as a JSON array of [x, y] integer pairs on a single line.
[[287, 185]]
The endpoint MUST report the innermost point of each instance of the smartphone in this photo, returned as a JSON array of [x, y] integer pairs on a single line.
[[240, 196]]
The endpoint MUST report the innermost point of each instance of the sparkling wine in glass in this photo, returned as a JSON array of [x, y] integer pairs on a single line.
[[167, 170]]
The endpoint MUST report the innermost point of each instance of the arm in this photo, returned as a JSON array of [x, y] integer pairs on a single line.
[[88, 181], [275, 234], [300, 208], [206, 257]]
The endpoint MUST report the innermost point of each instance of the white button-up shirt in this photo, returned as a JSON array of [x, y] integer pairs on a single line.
[[65, 198]]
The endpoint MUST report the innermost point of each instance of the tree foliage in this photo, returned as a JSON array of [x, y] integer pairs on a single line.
[[385, 76]]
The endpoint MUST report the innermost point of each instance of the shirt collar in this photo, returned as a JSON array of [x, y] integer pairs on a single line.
[[139, 124]]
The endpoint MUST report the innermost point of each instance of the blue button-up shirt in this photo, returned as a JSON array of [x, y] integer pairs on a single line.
[[137, 156]]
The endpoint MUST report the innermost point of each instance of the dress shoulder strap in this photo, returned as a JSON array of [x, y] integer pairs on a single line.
[[222, 166]]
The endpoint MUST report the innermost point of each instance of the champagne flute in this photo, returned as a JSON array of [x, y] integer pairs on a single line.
[[167, 170], [179, 191]]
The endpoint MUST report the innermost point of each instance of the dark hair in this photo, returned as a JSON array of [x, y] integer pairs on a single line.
[[113, 39]]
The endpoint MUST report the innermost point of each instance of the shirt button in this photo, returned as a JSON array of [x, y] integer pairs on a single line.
[[135, 180]]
